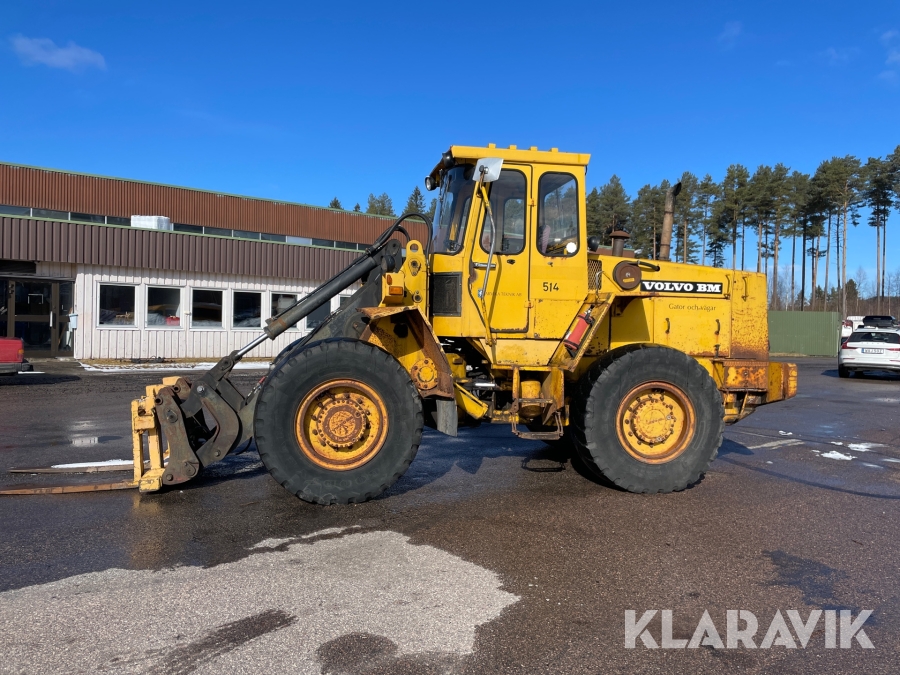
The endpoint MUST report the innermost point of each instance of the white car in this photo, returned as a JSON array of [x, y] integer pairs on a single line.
[[870, 349], [850, 324]]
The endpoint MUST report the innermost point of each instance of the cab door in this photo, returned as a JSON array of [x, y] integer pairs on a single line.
[[559, 262], [506, 297]]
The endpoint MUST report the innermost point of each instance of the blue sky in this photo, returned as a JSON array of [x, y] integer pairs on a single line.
[[307, 101]]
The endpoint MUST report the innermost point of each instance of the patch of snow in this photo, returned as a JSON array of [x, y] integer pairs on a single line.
[[318, 591], [888, 459], [836, 442], [786, 433], [864, 447], [781, 442], [271, 543], [327, 531], [873, 466], [276, 542], [88, 465], [834, 454]]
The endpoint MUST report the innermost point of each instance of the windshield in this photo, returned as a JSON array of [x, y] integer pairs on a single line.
[[453, 209], [867, 336]]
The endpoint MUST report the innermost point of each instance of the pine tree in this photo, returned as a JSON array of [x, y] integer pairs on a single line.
[[718, 232], [687, 219], [879, 196], [838, 182], [592, 214], [646, 219], [335, 204], [416, 202], [381, 205], [782, 209], [798, 189], [612, 209], [357, 208], [708, 194], [432, 209], [734, 195], [761, 198]]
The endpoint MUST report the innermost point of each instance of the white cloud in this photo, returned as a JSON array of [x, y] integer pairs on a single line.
[[892, 60], [729, 35], [838, 56], [43, 51]]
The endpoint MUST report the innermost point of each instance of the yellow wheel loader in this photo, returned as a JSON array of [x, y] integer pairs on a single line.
[[509, 313]]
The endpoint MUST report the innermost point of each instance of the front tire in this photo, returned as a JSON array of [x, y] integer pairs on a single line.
[[843, 372], [649, 419], [338, 422]]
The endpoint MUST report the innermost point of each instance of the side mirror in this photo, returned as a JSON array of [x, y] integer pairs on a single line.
[[488, 169]]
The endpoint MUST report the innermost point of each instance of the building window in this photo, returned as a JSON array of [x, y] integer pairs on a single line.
[[315, 318], [557, 233], [116, 305], [88, 218], [281, 301], [217, 231], [206, 309], [247, 311], [193, 229], [244, 234], [50, 213], [163, 307]]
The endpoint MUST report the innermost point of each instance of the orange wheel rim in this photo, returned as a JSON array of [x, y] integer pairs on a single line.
[[655, 422], [341, 424]]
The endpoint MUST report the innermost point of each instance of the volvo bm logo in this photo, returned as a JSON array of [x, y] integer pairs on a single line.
[[681, 287]]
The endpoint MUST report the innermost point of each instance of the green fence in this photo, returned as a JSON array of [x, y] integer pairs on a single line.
[[804, 333]]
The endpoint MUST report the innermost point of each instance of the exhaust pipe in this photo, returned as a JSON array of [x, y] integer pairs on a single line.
[[618, 243], [665, 239]]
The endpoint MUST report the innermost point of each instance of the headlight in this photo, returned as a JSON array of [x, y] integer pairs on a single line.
[[430, 183]]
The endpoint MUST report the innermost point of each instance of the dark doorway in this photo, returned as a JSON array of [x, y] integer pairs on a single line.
[[37, 310]]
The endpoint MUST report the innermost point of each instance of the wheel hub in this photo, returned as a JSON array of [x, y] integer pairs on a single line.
[[341, 424], [651, 418], [656, 422]]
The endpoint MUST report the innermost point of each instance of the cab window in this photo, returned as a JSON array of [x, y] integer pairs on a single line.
[[507, 195], [453, 210], [557, 233]]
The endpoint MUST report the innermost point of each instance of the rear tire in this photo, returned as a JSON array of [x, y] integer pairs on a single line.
[[647, 418], [843, 372], [338, 422]]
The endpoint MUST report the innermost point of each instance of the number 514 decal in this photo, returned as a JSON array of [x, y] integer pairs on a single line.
[[550, 286]]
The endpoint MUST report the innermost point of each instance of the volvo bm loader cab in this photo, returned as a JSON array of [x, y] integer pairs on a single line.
[[507, 313]]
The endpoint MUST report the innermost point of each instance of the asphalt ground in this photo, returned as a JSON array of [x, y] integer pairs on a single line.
[[492, 554]]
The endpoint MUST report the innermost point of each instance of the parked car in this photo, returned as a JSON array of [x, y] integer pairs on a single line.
[[12, 356], [850, 324], [879, 321], [870, 349]]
